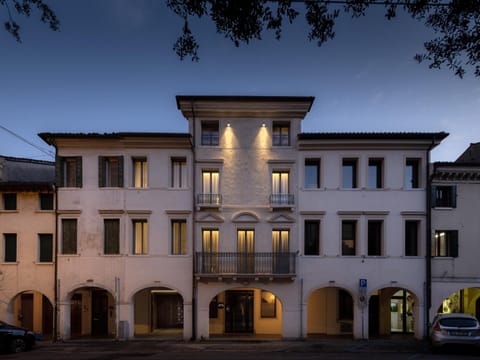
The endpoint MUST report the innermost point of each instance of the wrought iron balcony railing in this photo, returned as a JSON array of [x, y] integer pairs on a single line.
[[209, 200], [235, 263], [280, 200]]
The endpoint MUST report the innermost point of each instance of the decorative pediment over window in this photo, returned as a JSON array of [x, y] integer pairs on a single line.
[[281, 219], [245, 217], [210, 218]]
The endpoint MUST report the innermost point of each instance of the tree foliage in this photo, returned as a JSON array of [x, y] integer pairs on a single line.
[[24, 8], [456, 24]]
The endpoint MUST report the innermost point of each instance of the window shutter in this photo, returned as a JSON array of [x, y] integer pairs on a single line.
[[453, 243], [433, 196], [454, 196], [78, 163], [102, 163], [59, 167], [10, 247], [120, 171]]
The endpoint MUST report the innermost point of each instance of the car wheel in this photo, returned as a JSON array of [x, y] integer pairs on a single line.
[[18, 345]]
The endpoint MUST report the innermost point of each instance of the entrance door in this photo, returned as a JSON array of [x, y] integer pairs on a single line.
[[27, 311], [401, 312], [246, 251], [47, 318], [76, 315], [168, 311], [99, 313], [373, 316], [239, 311]]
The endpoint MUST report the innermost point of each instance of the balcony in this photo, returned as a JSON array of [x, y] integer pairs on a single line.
[[282, 200], [228, 266], [209, 200]]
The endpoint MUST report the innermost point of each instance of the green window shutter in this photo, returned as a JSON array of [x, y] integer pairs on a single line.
[[102, 163], [453, 243], [59, 168], [78, 180], [112, 236], [454, 196], [120, 171]]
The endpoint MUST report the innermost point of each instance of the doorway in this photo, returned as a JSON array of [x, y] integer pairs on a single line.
[[239, 311], [99, 313]]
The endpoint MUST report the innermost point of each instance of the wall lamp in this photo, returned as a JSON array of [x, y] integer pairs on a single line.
[[263, 124], [228, 124]]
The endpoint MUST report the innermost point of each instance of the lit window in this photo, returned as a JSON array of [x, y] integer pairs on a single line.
[[140, 172], [281, 134], [349, 237], [445, 243], [140, 237], [179, 237]]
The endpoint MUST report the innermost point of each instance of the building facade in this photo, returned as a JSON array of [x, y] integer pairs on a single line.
[[27, 227]]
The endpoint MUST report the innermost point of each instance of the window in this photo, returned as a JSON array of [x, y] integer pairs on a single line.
[[69, 236], [375, 176], [111, 236], [110, 171], [210, 187], [411, 237], [281, 248], [10, 250], [179, 173], [140, 172], [348, 237], [349, 173], [46, 201], [444, 196], [9, 201], [312, 237], [140, 237], [179, 237], [209, 250], [280, 188], [245, 249], [445, 243], [281, 134], [345, 305], [69, 171], [312, 173], [412, 178], [268, 305], [375, 230], [45, 248], [210, 133]]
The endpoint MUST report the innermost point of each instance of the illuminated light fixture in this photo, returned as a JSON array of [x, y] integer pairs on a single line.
[[263, 124], [163, 291], [228, 124]]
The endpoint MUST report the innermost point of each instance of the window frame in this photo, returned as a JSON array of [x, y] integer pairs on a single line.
[[114, 239], [281, 133], [344, 247], [46, 201], [408, 247], [353, 177], [178, 245], [45, 256], [449, 248], [71, 249], [210, 133], [140, 176], [144, 236], [69, 171], [312, 163], [375, 239], [412, 178], [178, 168], [110, 176], [443, 198], [377, 164], [10, 247]]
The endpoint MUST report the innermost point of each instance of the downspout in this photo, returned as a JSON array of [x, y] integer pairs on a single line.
[[428, 245], [194, 216], [55, 274]]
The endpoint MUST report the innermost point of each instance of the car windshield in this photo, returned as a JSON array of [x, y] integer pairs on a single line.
[[458, 322]]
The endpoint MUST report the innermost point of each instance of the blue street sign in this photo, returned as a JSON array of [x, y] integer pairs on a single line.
[[363, 283]]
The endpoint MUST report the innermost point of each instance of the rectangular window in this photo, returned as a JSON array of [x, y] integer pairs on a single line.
[[111, 236], [140, 237], [69, 171], [45, 248], [210, 239], [312, 173], [444, 196], [411, 237], [375, 231], [46, 201], [179, 237], [10, 250], [280, 188], [9, 201], [281, 248], [210, 133], [69, 236], [312, 237], [349, 173], [110, 171], [268, 305], [349, 237], [210, 187], [245, 249], [281, 134], [412, 174], [445, 243], [179, 173], [140, 172], [375, 173]]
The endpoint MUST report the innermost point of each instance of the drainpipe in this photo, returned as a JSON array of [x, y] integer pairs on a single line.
[[55, 275], [428, 245], [194, 213]]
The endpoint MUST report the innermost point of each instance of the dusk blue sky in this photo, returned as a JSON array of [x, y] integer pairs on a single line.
[[111, 68]]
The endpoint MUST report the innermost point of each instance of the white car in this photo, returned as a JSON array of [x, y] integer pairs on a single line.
[[455, 328]]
